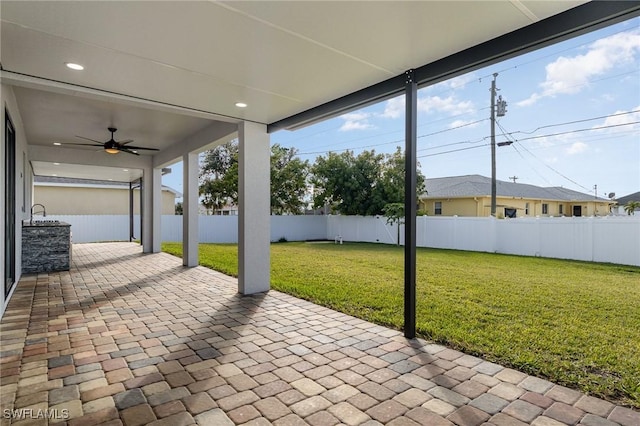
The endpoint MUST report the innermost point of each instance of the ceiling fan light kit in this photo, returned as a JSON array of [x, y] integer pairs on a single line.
[[113, 147]]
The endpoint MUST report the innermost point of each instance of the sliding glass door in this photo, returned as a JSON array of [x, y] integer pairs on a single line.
[[9, 206]]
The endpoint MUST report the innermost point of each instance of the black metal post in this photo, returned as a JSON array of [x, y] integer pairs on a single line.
[[142, 185], [411, 124], [131, 211]]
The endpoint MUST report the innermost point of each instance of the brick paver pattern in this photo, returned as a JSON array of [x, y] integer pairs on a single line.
[[126, 338]]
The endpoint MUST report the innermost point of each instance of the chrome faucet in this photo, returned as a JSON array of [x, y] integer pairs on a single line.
[[44, 212]]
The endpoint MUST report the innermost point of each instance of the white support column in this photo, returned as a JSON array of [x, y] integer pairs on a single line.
[[151, 209], [254, 234], [157, 210], [190, 209]]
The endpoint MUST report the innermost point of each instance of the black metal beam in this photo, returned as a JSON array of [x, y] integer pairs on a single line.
[[411, 175], [563, 26], [572, 23]]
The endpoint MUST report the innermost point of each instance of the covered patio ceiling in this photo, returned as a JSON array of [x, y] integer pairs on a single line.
[[162, 72]]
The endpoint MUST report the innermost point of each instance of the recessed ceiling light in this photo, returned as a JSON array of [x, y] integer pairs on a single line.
[[241, 105], [57, 143], [125, 170], [54, 174], [76, 67], [56, 164]]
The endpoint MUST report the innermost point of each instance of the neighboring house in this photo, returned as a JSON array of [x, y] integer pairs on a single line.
[[470, 195], [68, 196], [622, 201]]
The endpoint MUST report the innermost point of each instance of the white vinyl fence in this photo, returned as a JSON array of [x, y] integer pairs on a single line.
[[614, 239], [212, 229]]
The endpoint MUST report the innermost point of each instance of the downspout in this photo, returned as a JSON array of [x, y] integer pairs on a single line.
[[478, 213]]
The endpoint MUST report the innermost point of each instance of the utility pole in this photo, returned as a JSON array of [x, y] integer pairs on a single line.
[[501, 107], [514, 178], [493, 145]]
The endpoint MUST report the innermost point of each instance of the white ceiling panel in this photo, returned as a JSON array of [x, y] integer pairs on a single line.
[[60, 118], [115, 174]]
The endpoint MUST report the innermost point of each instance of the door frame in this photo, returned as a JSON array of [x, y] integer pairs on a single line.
[[9, 205]]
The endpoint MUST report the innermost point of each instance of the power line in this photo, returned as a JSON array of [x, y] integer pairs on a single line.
[[574, 131], [548, 166], [575, 122], [504, 134], [450, 151], [530, 165], [399, 140]]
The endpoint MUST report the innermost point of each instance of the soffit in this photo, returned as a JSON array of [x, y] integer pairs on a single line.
[[53, 117]]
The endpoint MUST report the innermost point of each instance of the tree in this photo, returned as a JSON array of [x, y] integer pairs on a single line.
[[288, 181], [348, 183], [219, 176], [178, 208], [631, 207], [394, 212], [360, 185]]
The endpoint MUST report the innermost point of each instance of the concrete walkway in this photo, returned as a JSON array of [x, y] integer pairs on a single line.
[[134, 339]]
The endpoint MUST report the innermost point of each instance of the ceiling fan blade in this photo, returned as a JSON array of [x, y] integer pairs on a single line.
[[125, 142], [139, 147], [89, 139], [83, 144], [128, 151]]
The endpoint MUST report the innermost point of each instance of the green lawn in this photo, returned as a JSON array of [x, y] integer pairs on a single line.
[[575, 323]]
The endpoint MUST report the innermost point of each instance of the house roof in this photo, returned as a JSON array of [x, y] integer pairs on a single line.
[[75, 182], [631, 197], [480, 186]]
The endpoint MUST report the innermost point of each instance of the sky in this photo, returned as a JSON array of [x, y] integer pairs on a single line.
[[573, 117]]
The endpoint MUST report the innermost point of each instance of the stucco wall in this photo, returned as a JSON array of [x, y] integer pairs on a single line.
[[91, 201], [468, 207], [23, 182]]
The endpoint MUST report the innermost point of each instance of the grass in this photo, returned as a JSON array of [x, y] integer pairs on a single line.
[[574, 323]]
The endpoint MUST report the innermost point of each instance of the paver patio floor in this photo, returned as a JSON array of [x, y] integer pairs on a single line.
[[131, 338]]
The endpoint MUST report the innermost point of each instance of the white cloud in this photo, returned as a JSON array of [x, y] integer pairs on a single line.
[[569, 75], [619, 118], [394, 108], [449, 105], [356, 121], [456, 82], [577, 148]]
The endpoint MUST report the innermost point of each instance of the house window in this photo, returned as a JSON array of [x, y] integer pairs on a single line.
[[545, 208], [526, 209], [437, 208], [560, 209], [509, 212]]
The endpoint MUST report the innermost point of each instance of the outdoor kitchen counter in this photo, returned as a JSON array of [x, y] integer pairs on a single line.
[[46, 246]]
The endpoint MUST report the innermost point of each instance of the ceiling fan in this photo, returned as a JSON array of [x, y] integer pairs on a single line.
[[113, 147]]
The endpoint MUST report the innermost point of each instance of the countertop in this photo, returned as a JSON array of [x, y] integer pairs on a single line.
[[41, 223]]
